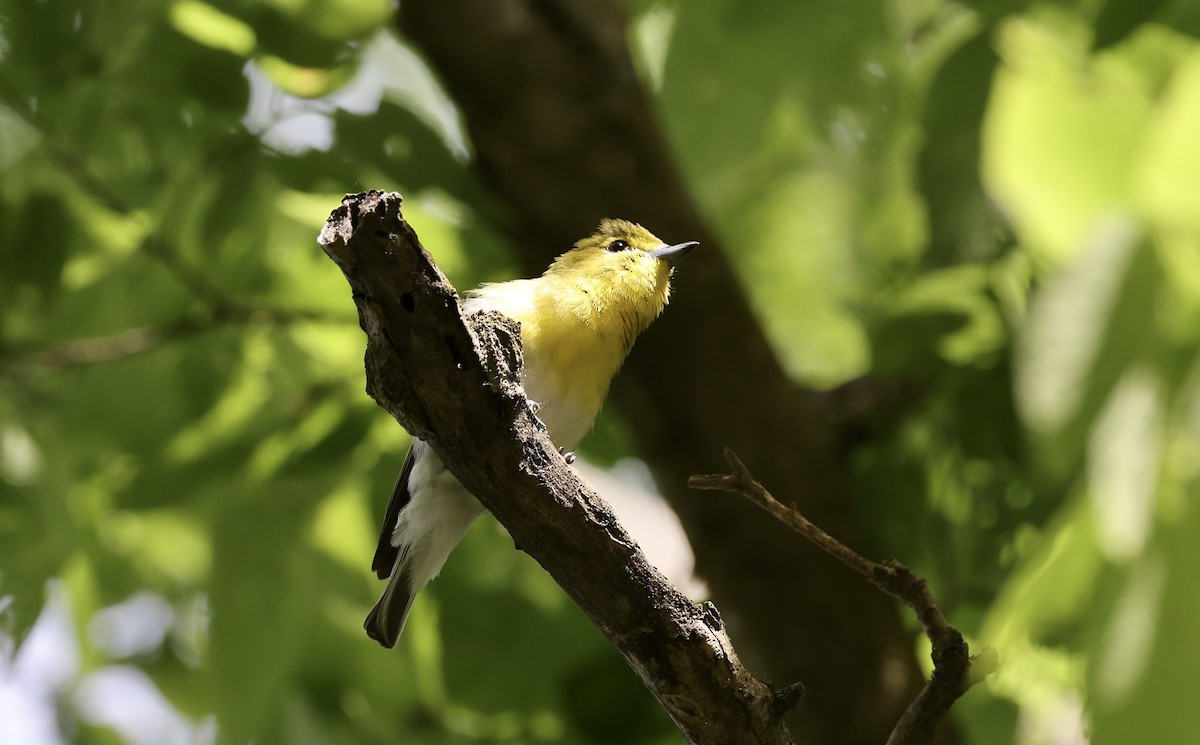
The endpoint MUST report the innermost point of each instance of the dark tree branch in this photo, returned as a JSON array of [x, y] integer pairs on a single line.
[[564, 133], [454, 382], [951, 657]]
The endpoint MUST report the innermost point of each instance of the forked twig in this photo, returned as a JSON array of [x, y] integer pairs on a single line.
[[951, 657]]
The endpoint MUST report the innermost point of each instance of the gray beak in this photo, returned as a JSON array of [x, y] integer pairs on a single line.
[[674, 253]]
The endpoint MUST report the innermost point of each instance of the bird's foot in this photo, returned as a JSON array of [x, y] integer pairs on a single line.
[[569, 456]]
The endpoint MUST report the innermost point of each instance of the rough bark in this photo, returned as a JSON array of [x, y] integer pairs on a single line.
[[455, 382], [564, 133]]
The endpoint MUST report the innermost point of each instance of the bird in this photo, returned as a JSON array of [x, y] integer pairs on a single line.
[[578, 321]]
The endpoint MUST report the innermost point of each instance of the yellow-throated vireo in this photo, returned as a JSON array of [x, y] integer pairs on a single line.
[[578, 322]]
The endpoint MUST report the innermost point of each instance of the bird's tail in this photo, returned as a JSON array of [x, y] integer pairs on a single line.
[[386, 620]]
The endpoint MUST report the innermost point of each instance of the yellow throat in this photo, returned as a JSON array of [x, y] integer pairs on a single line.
[[580, 318]]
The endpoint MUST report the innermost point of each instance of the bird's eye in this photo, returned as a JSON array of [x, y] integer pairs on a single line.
[[618, 245]]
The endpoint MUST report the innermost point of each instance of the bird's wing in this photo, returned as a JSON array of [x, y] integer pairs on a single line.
[[385, 554]]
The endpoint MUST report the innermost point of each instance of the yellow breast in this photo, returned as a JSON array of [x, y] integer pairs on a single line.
[[573, 347]]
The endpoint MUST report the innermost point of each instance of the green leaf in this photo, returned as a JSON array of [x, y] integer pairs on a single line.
[[944, 316], [1061, 138], [1149, 646], [807, 65], [1168, 175], [961, 220]]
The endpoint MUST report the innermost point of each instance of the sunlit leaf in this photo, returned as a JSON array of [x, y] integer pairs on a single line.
[[1168, 179], [211, 27], [1060, 139]]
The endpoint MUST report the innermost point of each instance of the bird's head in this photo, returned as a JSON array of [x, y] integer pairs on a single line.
[[621, 267]]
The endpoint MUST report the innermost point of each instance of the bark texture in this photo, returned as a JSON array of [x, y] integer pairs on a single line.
[[565, 134], [455, 383]]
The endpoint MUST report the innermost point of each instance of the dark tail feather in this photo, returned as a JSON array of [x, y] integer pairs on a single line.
[[386, 620]]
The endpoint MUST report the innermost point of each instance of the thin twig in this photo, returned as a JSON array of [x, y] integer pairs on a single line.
[[72, 353], [951, 657]]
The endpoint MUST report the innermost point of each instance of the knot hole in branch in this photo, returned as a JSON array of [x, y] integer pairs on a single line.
[[460, 362]]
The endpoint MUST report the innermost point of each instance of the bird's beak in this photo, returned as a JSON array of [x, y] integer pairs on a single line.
[[674, 253]]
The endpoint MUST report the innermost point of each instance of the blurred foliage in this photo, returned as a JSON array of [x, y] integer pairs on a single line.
[[995, 201]]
